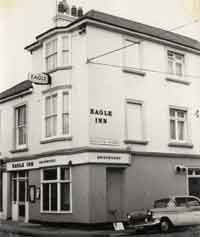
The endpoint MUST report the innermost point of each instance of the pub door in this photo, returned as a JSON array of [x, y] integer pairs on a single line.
[[20, 205], [114, 177]]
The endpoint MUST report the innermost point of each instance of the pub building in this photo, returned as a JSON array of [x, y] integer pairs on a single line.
[[96, 130]]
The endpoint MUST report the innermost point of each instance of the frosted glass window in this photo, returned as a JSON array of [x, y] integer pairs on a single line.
[[131, 57], [134, 121]]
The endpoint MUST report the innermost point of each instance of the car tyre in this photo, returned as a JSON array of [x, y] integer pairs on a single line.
[[165, 225]]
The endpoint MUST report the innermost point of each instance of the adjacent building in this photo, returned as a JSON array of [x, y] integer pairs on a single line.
[[107, 121]]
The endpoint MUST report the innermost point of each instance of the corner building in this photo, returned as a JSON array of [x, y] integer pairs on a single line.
[[117, 127]]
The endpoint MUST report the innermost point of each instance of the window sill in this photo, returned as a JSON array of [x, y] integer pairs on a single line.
[[56, 212], [55, 139], [134, 71], [177, 80], [138, 142], [19, 150], [180, 144], [69, 67]]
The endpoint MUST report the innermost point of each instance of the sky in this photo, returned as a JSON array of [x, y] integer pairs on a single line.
[[22, 20]]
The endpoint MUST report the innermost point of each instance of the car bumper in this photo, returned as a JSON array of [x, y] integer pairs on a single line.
[[145, 225]]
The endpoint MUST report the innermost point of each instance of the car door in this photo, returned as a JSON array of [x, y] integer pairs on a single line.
[[193, 205], [182, 211]]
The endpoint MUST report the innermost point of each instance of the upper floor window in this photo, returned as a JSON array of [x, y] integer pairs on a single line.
[[51, 55], [175, 63], [56, 115], [20, 126], [57, 52], [65, 50], [65, 113], [51, 115], [135, 131], [132, 54], [178, 125]]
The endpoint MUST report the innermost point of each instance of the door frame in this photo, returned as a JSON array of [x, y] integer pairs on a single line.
[[116, 215], [15, 180]]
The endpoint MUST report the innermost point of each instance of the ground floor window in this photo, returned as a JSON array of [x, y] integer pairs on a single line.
[[194, 181], [56, 189]]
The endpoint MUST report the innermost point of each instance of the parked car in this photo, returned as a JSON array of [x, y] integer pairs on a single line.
[[167, 213]]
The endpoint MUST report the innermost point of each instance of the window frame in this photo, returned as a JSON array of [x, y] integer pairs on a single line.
[[65, 50], [51, 116], [59, 53], [66, 113], [60, 136], [58, 181], [143, 140], [173, 77], [16, 145], [174, 62], [135, 69], [47, 56], [176, 119]]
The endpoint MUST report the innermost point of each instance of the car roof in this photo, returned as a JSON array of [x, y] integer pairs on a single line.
[[178, 196]]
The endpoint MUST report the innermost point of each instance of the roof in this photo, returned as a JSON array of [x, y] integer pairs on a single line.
[[143, 28], [131, 26], [17, 89]]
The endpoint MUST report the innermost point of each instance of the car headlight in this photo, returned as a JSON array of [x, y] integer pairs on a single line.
[[149, 213], [129, 216]]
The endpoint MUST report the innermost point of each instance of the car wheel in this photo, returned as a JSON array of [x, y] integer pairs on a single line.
[[165, 225]]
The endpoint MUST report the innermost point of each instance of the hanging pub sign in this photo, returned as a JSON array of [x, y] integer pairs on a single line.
[[40, 78]]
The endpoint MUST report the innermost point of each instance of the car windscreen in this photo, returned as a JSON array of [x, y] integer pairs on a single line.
[[161, 203]]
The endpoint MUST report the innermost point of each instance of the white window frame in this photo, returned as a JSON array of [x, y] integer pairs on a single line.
[[51, 115], [59, 65], [174, 61], [193, 175], [16, 145], [177, 119], [143, 122], [59, 132], [66, 50], [58, 182], [66, 113], [54, 54]]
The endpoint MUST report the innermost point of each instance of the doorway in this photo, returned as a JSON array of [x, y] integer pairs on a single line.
[[115, 180], [20, 205]]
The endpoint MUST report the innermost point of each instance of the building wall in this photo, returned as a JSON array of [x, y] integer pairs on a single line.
[[109, 87], [75, 80], [80, 198], [144, 181], [99, 93]]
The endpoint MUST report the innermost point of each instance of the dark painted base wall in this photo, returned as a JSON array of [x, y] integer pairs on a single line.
[[146, 179]]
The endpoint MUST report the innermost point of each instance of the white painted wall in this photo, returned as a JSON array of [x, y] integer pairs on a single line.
[[109, 87], [77, 79]]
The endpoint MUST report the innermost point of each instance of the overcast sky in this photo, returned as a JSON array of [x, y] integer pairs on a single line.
[[22, 20]]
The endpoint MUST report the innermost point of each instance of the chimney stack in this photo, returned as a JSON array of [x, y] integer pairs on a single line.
[[66, 14]]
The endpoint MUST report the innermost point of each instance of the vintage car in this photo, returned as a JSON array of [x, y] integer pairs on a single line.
[[167, 213]]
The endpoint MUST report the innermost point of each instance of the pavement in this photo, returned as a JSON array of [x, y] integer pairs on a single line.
[[32, 229]]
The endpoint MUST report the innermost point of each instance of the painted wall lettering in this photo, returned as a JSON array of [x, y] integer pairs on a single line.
[[101, 116]]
